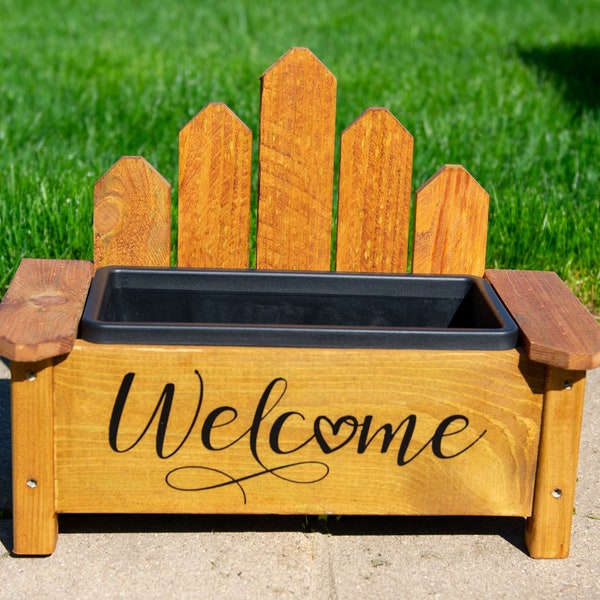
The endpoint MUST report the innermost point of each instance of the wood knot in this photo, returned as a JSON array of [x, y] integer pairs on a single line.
[[49, 300], [107, 216]]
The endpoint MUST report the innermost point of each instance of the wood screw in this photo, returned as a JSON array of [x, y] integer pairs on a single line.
[[31, 483]]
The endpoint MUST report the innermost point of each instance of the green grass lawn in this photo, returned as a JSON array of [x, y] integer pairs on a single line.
[[509, 89]]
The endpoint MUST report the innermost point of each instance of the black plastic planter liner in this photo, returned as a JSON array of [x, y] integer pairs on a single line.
[[273, 308]]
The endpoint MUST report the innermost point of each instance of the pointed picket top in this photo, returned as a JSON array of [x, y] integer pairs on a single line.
[[374, 194], [293, 58], [451, 219], [296, 149], [215, 162], [132, 215]]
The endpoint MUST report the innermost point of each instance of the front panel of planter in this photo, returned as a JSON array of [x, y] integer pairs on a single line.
[[240, 429]]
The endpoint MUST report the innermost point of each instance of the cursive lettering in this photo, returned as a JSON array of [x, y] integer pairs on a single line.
[[328, 434]]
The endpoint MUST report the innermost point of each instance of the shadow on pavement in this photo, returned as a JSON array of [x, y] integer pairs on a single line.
[[511, 529]]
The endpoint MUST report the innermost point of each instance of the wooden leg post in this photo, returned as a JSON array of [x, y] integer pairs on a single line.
[[548, 533], [35, 521]]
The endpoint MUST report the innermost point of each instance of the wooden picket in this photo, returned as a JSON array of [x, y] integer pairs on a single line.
[[132, 215], [215, 156], [451, 220], [374, 194], [295, 176]]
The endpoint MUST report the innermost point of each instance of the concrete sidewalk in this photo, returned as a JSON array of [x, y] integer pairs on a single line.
[[287, 557]]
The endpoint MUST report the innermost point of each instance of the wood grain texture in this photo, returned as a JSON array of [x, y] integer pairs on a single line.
[[215, 158], [374, 194], [296, 146], [296, 430], [35, 525], [556, 328], [548, 533], [132, 216], [451, 219], [40, 313]]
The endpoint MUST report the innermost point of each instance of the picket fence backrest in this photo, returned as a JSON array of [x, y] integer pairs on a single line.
[[132, 201]]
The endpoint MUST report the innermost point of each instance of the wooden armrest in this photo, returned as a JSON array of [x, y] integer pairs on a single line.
[[556, 329], [40, 313]]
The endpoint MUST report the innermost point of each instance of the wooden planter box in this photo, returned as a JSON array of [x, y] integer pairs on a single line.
[[255, 416]]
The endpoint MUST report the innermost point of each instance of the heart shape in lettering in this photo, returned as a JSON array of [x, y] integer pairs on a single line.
[[332, 430]]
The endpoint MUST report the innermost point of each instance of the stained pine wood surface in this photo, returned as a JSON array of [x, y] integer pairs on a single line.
[[548, 533], [374, 194], [296, 149], [294, 430], [556, 328], [295, 191], [35, 523], [451, 219], [132, 216], [215, 159], [40, 313]]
